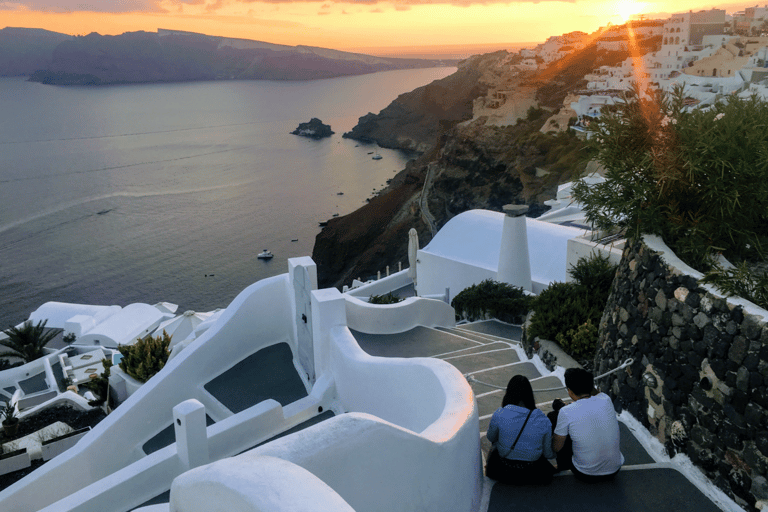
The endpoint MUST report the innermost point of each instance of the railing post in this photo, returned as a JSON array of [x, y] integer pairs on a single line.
[[191, 434]]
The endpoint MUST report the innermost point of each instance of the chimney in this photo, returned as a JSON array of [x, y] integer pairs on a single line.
[[514, 262]]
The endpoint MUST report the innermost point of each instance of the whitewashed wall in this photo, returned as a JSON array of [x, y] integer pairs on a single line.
[[258, 316], [393, 318]]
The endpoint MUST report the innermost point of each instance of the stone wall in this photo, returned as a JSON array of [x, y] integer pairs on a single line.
[[699, 381]]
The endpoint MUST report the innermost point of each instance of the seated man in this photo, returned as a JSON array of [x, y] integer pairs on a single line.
[[586, 435]]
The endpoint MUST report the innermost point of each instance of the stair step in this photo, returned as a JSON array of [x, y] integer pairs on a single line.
[[477, 349], [479, 337], [494, 328], [478, 361]]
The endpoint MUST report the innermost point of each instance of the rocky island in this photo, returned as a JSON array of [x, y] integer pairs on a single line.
[[314, 129]]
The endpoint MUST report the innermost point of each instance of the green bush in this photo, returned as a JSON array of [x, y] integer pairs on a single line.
[[387, 298], [596, 273], [562, 307], [491, 298], [146, 357], [569, 313], [580, 342], [698, 179]]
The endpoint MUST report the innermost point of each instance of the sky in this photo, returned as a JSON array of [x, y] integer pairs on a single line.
[[350, 25]]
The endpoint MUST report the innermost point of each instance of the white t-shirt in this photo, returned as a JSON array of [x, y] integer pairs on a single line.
[[593, 427]]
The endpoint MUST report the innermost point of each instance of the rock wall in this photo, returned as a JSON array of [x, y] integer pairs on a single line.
[[699, 381]]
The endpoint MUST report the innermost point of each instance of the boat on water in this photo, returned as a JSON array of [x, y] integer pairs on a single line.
[[377, 156], [265, 255]]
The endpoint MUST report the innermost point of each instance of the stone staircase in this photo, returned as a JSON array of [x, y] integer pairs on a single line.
[[491, 352]]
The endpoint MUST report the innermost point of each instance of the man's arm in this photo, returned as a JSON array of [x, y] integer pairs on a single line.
[[558, 442]]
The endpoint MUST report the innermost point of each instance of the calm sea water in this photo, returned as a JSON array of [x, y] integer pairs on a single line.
[[148, 193]]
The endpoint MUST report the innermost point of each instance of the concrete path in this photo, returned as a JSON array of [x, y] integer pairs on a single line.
[[489, 354]]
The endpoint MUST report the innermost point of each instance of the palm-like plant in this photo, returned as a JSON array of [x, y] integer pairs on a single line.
[[27, 341]]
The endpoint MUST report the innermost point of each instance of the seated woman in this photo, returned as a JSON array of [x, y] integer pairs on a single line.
[[522, 438]]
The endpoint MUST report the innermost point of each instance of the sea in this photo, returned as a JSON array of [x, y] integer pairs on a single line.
[[167, 192]]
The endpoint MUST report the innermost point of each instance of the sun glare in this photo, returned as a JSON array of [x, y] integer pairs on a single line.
[[627, 8]]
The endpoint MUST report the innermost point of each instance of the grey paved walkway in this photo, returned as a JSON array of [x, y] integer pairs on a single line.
[[269, 373], [418, 342], [642, 486], [495, 328], [644, 490]]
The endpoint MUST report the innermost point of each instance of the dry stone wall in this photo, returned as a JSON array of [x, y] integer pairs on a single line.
[[699, 381]]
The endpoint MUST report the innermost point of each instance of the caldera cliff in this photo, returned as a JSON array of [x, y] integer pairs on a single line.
[[494, 133]]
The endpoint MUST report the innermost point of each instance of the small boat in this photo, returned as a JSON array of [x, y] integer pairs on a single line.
[[377, 156], [265, 255], [370, 152], [335, 214], [294, 239]]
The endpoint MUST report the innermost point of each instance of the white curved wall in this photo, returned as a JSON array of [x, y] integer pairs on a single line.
[[259, 316], [269, 485], [410, 444], [382, 286], [393, 318]]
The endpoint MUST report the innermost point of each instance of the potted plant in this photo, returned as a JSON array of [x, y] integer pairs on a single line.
[[10, 420]]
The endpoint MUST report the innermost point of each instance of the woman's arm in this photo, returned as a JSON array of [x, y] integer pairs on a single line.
[[493, 429]]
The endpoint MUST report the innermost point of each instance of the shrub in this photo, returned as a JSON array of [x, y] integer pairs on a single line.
[[562, 307], [146, 357], [596, 273], [579, 342], [491, 298], [698, 179], [569, 313], [387, 298]]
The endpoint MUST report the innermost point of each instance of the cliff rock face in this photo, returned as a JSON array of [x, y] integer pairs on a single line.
[[474, 165], [479, 132], [413, 121]]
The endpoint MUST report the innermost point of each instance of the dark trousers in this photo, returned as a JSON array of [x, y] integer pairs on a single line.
[[538, 472]]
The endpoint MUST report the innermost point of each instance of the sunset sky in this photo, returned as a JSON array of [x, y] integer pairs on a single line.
[[344, 25]]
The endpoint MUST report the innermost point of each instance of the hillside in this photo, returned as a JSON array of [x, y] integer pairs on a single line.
[[172, 56], [25, 50], [479, 135]]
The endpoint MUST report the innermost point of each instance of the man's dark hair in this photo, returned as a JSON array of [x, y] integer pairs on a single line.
[[579, 381]]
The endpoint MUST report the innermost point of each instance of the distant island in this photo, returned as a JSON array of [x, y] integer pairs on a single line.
[[176, 56], [314, 129]]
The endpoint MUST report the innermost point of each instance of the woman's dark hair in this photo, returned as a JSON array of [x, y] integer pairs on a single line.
[[519, 392]]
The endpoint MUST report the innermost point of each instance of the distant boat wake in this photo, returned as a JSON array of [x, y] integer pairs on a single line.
[[65, 206], [126, 166]]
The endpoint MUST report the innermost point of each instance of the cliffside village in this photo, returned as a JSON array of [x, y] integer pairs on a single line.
[[709, 53]]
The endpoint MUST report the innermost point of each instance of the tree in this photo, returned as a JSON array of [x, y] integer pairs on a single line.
[[146, 357], [27, 342], [698, 179]]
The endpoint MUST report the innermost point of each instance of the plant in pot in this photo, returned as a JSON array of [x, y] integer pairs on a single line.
[[10, 420]]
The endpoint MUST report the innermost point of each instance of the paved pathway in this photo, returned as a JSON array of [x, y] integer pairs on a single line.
[[490, 352]]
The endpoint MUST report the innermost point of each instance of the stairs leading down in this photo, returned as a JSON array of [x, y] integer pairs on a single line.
[[491, 352]]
